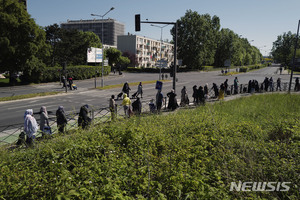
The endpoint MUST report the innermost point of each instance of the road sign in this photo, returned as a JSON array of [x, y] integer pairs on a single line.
[[158, 85], [94, 55], [105, 63], [161, 63], [227, 63]]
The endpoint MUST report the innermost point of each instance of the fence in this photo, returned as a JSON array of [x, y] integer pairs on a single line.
[[10, 134]]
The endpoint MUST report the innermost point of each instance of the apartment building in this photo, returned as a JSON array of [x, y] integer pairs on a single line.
[[111, 28], [146, 50]]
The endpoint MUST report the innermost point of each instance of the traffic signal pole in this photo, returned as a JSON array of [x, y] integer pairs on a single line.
[[138, 28]]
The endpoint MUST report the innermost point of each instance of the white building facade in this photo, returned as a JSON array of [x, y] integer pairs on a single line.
[[147, 51]]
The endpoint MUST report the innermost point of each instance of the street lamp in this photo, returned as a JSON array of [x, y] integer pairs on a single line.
[[102, 16], [161, 42]]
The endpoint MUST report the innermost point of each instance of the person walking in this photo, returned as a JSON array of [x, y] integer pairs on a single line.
[[64, 81], [44, 119], [172, 105], [61, 119], [83, 118], [140, 90], [70, 80], [126, 88], [30, 126], [159, 100], [126, 105], [112, 107]]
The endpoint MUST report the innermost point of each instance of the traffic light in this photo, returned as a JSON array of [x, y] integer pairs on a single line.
[[138, 22]]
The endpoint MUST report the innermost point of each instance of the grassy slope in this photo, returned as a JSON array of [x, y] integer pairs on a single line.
[[188, 154]]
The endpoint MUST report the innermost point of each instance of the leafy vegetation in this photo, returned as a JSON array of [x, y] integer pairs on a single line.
[[189, 154], [201, 42]]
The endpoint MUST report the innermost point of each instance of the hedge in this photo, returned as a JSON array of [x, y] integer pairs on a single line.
[[80, 72]]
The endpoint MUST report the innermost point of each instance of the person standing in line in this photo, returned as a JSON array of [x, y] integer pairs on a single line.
[[172, 105], [152, 107], [221, 94], [266, 84], [216, 90], [183, 96], [126, 105], [201, 95], [30, 126], [271, 85], [44, 119], [195, 94], [140, 90], [278, 84], [297, 85], [137, 106], [206, 91], [159, 100], [61, 119], [112, 107], [83, 119], [236, 85], [226, 86], [126, 88]]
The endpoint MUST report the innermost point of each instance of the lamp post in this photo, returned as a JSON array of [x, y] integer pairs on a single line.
[[161, 42], [102, 38]]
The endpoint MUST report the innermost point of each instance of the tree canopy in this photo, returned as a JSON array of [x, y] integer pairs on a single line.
[[21, 40], [69, 46], [283, 48], [201, 42]]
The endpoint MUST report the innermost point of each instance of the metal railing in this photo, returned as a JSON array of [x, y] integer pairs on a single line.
[[10, 134]]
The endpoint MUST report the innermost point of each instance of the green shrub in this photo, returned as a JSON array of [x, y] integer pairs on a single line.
[[188, 154]]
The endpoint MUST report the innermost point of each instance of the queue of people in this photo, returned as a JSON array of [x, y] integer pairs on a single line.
[[200, 95]]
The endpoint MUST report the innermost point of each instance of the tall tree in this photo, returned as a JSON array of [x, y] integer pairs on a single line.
[[21, 40], [70, 46], [197, 39], [283, 48]]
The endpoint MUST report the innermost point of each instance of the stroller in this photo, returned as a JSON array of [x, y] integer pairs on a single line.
[[74, 86]]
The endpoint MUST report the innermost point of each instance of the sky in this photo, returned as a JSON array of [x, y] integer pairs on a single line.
[[260, 21]]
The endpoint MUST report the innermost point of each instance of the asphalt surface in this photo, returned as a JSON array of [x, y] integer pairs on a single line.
[[13, 111]]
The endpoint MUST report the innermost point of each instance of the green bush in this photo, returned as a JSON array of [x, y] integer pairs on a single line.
[[81, 72], [243, 69], [189, 154]]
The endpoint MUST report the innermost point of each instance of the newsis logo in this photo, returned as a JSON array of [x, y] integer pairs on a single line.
[[260, 186]]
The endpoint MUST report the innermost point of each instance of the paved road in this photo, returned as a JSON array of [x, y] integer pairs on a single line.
[[12, 112]]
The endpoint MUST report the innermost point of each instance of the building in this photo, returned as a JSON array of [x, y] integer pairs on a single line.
[[111, 28], [147, 51]]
